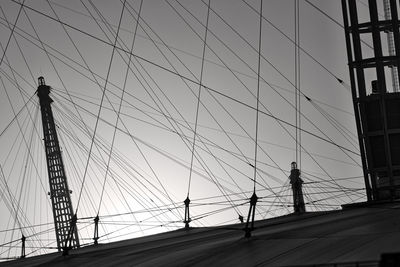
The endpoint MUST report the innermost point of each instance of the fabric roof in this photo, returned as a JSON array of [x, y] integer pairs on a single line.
[[358, 234]]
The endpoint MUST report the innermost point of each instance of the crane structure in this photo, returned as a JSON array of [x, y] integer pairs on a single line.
[[64, 219], [376, 102]]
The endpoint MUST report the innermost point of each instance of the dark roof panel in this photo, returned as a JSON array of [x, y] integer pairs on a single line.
[[359, 234]]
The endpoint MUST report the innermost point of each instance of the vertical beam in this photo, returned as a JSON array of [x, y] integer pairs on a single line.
[[396, 35], [380, 74], [355, 33], [377, 43], [355, 101]]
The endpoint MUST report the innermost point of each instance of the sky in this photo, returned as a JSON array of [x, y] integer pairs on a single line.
[[134, 169]]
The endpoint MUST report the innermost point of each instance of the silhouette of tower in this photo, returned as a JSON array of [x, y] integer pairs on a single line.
[[59, 192], [372, 60], [297, 184]]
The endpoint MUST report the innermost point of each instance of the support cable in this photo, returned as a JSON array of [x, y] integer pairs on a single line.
[[298, 75], [119, 50], [97, 159], [83, 59], [120, 104], [187, 200], [101, 104], [19, 47], [244, 62], [253, 200], [96, 234], [187, 79], [12, 31]]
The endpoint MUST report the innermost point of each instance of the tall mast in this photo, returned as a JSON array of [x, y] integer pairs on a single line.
[[64, 220]]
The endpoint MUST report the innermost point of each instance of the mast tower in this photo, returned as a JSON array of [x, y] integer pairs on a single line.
[[64, 219]]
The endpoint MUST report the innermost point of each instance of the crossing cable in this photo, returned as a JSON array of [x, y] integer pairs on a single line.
[[121, 99], [209, 152], [144, 143], [349, 136], [292, 41], [83, 59], [195, 56], [126, 51], [22, 92], [19, 47], [74, 137], [16, 115], [184, 77], [100, 141], [97, 162], [11, 198], [178, 161], [118, 115], [334, 20], [25, 142], [30, 85], [199, 95], [245, 63], [267, 83], [81, 96], [188, 125], [19, 208], [244, 85], [15, 205], [162, 126], [203, 164], [101, 104], [249, 226], [57, 73], [339, 80], [12, 31]]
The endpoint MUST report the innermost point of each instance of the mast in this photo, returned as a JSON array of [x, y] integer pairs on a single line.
[[64, 219], [297, 184]]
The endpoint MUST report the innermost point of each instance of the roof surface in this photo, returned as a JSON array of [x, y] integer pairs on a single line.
[[352, 235]]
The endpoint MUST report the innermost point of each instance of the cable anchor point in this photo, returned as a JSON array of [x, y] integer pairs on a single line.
[[250, 217], [23, 239], [187, 216], [96, 230]]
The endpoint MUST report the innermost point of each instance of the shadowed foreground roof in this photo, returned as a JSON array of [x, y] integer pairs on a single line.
[[358, 234]]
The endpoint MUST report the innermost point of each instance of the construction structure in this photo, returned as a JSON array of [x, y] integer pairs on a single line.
[[376, 102], [64, 218]]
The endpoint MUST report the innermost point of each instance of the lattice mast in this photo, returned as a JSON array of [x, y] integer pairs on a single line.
[[59, 191]]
